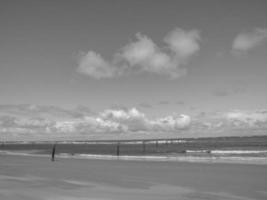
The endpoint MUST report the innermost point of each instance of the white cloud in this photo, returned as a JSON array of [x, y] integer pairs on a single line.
[[133, 119], [230, 123], [143, 55], [129, 122], [108, 121], [246, 41], [140, 51], [64, 126], [32, 122], [121, 114], [93, 65], [137, 121], [16, 130], [87, 125], [171, 123], [250, 118], [119, 120], [183, 43]]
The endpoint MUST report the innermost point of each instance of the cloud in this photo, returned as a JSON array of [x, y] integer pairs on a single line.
[[92, 64], [183, 43], [145, 105], [227, 123], [171, 123], [249, 118], [29, 122], [163, 102], [41, 111], [122, 114], [133, 119], [144, 56], [32, 122], [107, 122], [224, 92], [88, 124], [180, 103], [247, 41], [137, 121]]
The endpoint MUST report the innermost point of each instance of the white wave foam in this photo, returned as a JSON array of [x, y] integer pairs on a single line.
[[171, 158], [102, 142], [23, 153], [177, 158], [239, 151], [228, 151]]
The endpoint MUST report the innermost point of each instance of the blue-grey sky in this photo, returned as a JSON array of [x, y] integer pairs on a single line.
[[160, 57]]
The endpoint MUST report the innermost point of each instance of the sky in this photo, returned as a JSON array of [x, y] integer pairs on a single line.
[[132, 68]]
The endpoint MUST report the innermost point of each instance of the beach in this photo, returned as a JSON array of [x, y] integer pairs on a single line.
[[33, 177]]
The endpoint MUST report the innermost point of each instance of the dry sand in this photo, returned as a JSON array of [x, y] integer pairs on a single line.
[[37, 178]]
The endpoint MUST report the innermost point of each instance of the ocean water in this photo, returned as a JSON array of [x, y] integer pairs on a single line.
[[224, 149]]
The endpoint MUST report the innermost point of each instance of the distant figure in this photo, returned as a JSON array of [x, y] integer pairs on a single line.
[[53, 153]]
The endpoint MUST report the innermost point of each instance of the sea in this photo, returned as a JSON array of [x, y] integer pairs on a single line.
[[243, 150]]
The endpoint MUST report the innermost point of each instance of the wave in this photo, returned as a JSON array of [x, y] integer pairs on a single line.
[[228, 152], [238, 151], [161, 158], [173, 158], [23, 153], [161, 141]]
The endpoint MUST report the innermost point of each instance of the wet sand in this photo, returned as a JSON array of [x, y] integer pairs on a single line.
[[37, 178]]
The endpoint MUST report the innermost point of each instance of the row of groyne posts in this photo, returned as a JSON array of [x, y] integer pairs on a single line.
[[119, 144], [143, 146]]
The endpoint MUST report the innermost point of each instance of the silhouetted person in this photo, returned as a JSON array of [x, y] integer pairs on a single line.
[[53, 153]]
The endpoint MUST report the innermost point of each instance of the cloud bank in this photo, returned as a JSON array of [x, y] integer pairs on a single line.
[[248, 118], [41, 121], [247, 41], [143, 55], [24, 122]]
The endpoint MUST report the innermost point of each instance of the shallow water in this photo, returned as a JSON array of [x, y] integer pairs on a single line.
[[229, 149]]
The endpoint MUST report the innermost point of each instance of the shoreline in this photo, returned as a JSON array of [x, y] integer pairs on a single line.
[[149, 158]]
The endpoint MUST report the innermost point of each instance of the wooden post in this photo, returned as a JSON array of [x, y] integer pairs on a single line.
[[53, 153], [144, 146]]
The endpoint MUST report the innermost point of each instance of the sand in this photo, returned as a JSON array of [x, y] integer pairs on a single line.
[[37, 178]]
